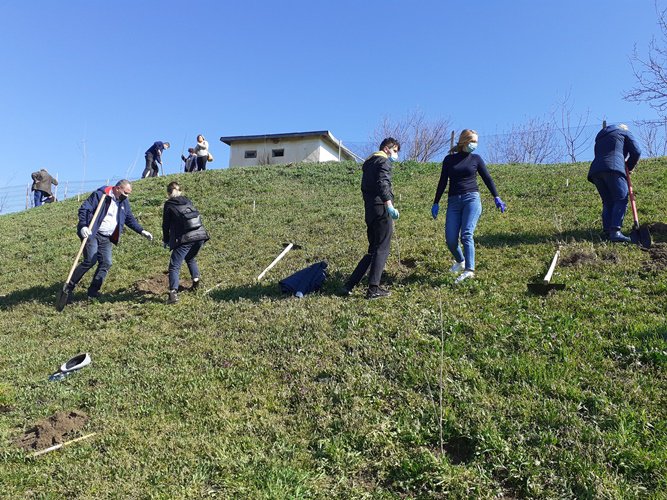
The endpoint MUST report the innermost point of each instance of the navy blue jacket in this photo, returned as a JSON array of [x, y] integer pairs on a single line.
[[156, 150], [461, 170], [376, 179], [612, 146], [124, 216]]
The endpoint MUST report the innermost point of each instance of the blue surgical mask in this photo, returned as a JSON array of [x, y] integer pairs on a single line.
[[471, 146], [393, 156]]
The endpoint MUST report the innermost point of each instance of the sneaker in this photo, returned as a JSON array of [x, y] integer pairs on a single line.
[[376, 293], [173, 297], [195, 284], [344, 292], [94, 294], [618, 237], [464, 276], [458, 267]]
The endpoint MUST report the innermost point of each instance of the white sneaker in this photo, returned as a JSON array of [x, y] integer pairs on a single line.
[[464, 276], [457, 267]]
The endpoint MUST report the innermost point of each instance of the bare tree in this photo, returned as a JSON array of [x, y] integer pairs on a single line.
[[651, 73], [654, 141], [574, 136], [531, 142], [421, 140]]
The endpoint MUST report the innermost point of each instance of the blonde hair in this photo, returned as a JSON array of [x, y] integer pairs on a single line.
[[466, 137]]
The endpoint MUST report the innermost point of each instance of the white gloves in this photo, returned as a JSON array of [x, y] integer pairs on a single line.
[[85, 232], [147, 235]]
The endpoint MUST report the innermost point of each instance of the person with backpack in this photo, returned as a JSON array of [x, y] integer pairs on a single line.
[[190, 161], [184, 234]]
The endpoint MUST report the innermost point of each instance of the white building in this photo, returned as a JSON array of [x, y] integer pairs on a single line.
[[275, 149]]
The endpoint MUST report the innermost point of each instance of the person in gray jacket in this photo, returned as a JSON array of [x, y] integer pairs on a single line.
[[41, 186], [614, 147]]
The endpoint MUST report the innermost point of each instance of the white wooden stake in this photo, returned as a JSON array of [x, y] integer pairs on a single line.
[[550, 272]]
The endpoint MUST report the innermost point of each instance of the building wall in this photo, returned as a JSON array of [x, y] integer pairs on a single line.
[[294, 151]]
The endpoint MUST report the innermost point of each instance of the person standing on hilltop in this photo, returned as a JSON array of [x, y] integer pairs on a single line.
[[184, 234], [154, 159], [201, 151], [379, 211], [105, 231], [613, 145], [464, 206], [41, 185]]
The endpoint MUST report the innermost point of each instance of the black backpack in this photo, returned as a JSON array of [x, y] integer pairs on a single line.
[[188, 217]]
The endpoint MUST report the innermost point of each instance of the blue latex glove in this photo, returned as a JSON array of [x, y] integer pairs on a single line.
[[434, 210], [500, 204], [393, 213]]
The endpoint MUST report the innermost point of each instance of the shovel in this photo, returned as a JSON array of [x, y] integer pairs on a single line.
[[288, 247], [639, 235], [61, 301], [546, 286]]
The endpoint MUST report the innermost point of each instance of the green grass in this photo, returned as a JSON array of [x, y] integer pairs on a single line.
[[439, 391]]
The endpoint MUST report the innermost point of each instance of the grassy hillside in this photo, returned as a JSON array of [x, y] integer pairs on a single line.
[[480, 390]]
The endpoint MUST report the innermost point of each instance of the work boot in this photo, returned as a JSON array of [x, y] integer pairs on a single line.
[[617, 236], [375, 292], [458, 267], [173, 297], [195, 284]]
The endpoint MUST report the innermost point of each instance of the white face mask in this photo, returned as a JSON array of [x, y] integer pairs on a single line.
[[472, 146], [394, 156]]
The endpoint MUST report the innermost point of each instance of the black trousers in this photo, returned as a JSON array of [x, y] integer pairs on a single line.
[[201, 162], [379, 228]]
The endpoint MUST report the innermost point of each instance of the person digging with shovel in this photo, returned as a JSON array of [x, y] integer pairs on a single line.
[[105, 230], [613, 144]]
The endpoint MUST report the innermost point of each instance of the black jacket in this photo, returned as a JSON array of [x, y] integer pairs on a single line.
[[174, 230], [376, 179]]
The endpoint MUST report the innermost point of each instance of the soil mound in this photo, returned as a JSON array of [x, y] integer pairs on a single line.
[[579, 258], [53, 430], [156, 285], [658, 254], [658, 228]]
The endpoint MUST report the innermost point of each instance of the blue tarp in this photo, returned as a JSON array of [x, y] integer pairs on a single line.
[[305, 281]]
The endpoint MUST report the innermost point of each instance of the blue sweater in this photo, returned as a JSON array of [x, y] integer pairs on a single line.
[[461, 170], [612, 146]]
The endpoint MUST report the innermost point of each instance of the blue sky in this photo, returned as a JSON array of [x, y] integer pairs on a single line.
[[118, 75]]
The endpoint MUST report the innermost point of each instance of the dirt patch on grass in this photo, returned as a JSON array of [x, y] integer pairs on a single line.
[[156, 285], [579, 258], [53, 430], [583, 258], [409, 263], [658, 228], [658, 257]]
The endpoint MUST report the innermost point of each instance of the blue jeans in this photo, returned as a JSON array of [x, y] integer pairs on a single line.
[[39, 198], [97, 250], [186, 253], [463, 212], [613, 189]]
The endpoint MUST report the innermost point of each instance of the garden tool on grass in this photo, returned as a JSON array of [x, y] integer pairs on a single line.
[[546, 286], [639, 235], [63, 294], [288, 247]]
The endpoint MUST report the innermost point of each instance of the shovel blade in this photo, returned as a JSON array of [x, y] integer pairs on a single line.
[[642, 237], [544, 289], [61, 300]]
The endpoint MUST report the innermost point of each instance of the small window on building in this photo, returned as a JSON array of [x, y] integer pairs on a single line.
[[251, 153], [277, 152]]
